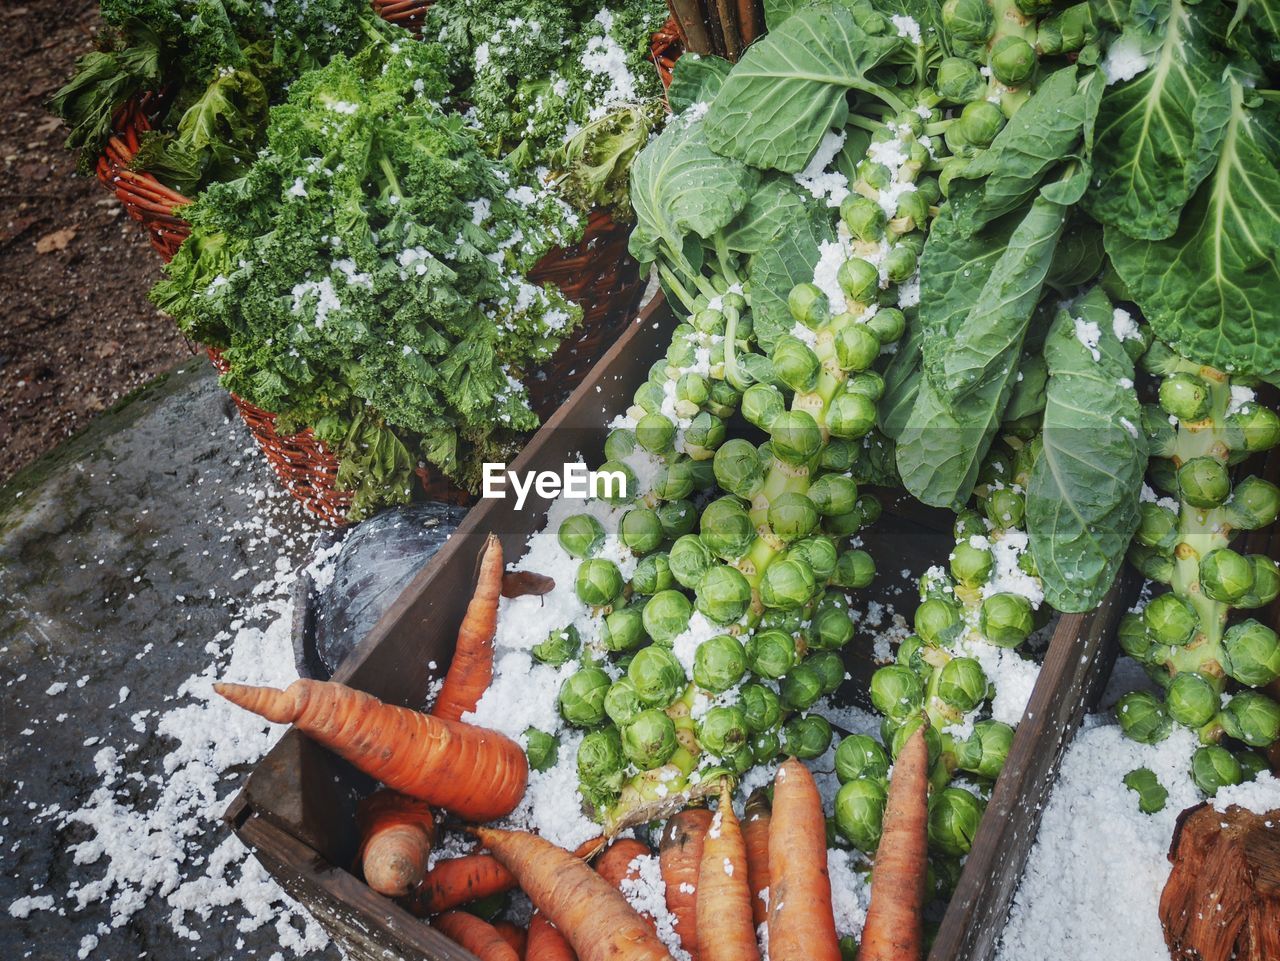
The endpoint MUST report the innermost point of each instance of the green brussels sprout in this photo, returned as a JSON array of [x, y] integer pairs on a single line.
[[1157, 527], [723, 731], [653, 574], [770, 653], [1012, 60], [1266, 583], [614, 493], [623, 629], [1253, 428], [724, 400], [1162, 438], [726, 528], [655, 433], [640, 530], [787, 583], [1185, 396], [1006, 508], [896, 734], [1066, 31], [1132, 635], [839, 456], [857, 347], [1214, 767], [971, 566], [649, 397], [859, 811], [938, 621], [581, 535], [876, 175], [957, 81], [1251, 765], [896, 692], [962, 683], [807, 737], [761, 707], [649, 739], [831, 630], [833, 494], [861, 756], [678, 517], [737, 467], [674, 481], [1191, 699], [1153, 565], [657, 676], [723, 595], [1143, 717], [1254, 504], [599, 582], [560, 647], [620, 444], [910, 654], [794, 437], [689, 559], [900, 262], [981, 120], [621, 702], [795, 363], [968, 19], [968, 524], [1225, 575], [761, 403], [719, 663], [792, 516], [867, 383], [859, 279], [765, 747], [704, 435], [1204, 482], [692, 388], [708, 321], [1152, 795], [888, 323], [864, 217], [666, 616], [1006, 619], [851, 415], [601, 764], [819, 553], [913, 211], [954, 816], [1251, 717], [542, 749], [829, 666], [809, 305], [582, 697], [1171, 620], [801, 687], [986, 749]]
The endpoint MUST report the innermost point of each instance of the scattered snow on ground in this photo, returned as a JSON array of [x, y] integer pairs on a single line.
[[1261, 795]]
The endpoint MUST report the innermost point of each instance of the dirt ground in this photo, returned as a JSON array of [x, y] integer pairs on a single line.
[[76, 329]]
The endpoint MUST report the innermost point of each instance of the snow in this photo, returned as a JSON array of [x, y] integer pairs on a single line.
[[326, 298], [831, 254], [907, 28], [1241, 399], [1090, 335], [820, 181], [1125, 59], [1124, 326], [1261, 795], [605, 57]]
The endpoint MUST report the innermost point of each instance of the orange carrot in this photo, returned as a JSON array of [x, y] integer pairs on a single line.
[[725, 930], [617, 864], [894, 930], [680, 856], [460, 881], [594, 917], [513, 934], [397, 833], [545, 942], [478, 937], [476, 773], [472, 667], [802, 926], [755, 829]]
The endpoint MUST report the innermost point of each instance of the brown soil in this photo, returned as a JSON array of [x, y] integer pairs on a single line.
[[76, 329]]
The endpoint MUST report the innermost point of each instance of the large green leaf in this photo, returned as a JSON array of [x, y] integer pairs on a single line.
[[901, 383], [1082, 498], [1212, 290], [772, 209], [779, 267], [790, 88], [696, 79]]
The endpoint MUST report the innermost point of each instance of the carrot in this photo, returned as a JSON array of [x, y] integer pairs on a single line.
[[545, 942], [476, 773], [680, 857], [617, 864], [725, 930], [894, 930], [397, 833], [513, 934], [472, 667], [460, 881], [801, 924], [755, 829], [478, 937], [594, 917]]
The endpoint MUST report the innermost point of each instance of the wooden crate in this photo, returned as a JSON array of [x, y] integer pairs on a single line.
[[297, 809]]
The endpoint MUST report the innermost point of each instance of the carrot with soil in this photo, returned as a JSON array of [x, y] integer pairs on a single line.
[[725, 928], [459, 881], [545, 942], [473, 772], [618, 864], [894, 930], [397, 833], [802, 926], [472, 667], [680, 858], [594, 917], [755, 830], [479, 937]]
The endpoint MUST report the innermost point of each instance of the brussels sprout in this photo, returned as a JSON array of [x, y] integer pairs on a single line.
[[542, 749], [771, 653], [958, 81], [1251, 764], [1152, 795], [913, 211], [833, 494], [1204, 482], [1254, 504], [857, 347], [897, 733], [971, 566], [795, 437], [896, 692], [765, 747], [674, 481], [689, 559], [986, 749], [649, 739], [1185, 396], [954, 815], [761, 403], [621, 702], [962, 683], [801, 687], [1171, 619], [599, 582], [1143, 717], [623, 629], [861, 756], [864, 217], [851, 415], [719, 663], [581, 535], [640, 530], [1006, 508], [938, 621], [708, 321], [981, 120], [787, 583], [968, 524], [792, 516], [620, 444], [832, 629], [692, 388], [819, 553], [737, 467], [1225, 575], [614, 493], [653, 573], [859, 279], [1006, 619], [1252, 718], [723, 731], [704, 435], [724, 400], [809, 305], [910, 653], [1266, 583], [1253, 428], [649, 397], [859, 811], [968, 19], [1157, 527], [657, 676], [1214, 767], [795, 364], [807, 737], [888, 324], [726, 528], [683, 348], [666, 616], [601, 764], [829, 667], [582, 696], [723, 594], [839, 455], [876, 175], [560, 647], [1012, 60], [1191, 699], [1153, 565], [1066, 31], [655, 433], [761, 707]]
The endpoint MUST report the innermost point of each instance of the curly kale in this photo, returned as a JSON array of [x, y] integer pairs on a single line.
[[365, 276]]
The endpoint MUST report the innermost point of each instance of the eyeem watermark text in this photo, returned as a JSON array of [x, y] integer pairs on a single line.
[[574, 481]]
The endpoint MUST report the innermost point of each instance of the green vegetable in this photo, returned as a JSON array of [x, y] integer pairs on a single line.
[[582, 697], [542, 749], [719, 663], [1151, 793], [560, 647], [649, 739], [859, 812]]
